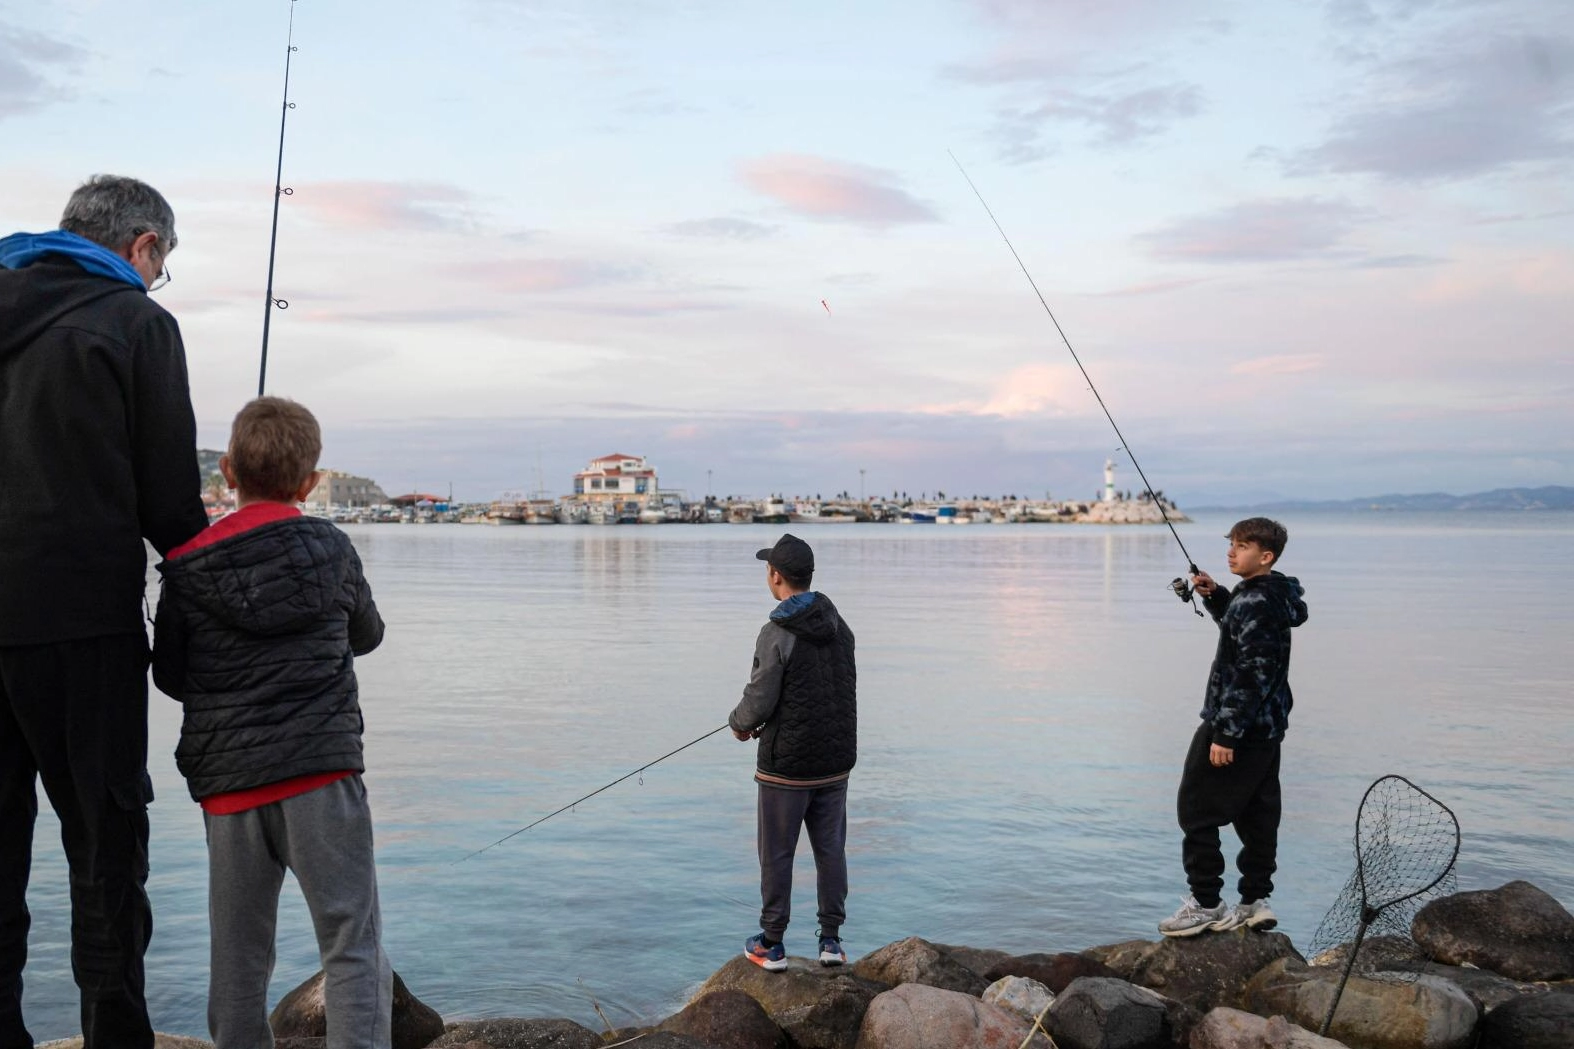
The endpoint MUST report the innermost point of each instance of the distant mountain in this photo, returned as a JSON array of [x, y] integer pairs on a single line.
[[1550, 497], [208, 461]]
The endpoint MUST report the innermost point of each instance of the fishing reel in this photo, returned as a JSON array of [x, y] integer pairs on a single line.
[[1185, 591]]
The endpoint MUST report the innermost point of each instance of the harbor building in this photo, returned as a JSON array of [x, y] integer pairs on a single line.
[[337, 488], [616, 479]]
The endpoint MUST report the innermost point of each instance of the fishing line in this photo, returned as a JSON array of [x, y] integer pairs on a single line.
[[593, 793], [279, 190], [1180, 586]]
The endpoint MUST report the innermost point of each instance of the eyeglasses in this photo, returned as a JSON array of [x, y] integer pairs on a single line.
[[162, 279]]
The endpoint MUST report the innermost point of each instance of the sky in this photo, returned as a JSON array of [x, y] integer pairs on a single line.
[[1303, 249]]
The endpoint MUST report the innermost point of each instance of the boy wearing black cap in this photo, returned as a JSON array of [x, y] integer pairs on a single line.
[[801, 703]]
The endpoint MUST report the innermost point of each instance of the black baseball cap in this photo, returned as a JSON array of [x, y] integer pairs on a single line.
[[790, 556]]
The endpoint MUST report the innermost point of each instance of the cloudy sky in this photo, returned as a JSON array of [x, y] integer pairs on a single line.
[[1304, 248]]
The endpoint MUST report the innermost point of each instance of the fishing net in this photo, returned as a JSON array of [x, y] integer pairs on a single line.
[[1406, 842]]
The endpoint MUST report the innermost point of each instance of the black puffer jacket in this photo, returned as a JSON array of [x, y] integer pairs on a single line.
[[1248, 699], [803, 695], [256, 635]]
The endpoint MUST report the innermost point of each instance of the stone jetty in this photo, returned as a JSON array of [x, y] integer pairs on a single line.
[[1501, 976]]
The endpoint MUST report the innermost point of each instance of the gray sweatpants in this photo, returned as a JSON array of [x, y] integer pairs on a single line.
[[325, 837], [782, 813]]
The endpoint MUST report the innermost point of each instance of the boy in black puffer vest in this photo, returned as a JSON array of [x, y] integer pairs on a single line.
[[257, 626], [801, 702], [1231, 775]]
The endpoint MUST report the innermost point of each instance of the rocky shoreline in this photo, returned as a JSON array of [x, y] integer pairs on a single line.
[[1500, 975]]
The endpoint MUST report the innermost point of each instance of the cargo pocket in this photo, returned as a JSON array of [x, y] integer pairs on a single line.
[[134, 793], [132, 796]]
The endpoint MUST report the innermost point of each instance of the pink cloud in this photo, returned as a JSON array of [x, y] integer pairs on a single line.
[[1283, 364], [1028, 390], [832, 191], [372, 205]]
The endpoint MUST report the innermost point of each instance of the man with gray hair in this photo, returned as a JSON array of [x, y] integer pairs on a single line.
[[97, 451]]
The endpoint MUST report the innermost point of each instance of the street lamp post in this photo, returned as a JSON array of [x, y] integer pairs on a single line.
[[860, 484]]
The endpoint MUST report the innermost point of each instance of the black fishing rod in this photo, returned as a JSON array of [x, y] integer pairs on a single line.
[[1181, 586], [279, 190], [598, 790]]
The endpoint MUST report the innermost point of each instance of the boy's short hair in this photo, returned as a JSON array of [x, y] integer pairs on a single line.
[[1266, 533], [274, 445]]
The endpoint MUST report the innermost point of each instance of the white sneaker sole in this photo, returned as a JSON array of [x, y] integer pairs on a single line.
[[1261, 924], [829, 960], [1222, 925], [766, 964]]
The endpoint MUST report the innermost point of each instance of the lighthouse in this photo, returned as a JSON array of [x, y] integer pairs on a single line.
[[1109, 480]]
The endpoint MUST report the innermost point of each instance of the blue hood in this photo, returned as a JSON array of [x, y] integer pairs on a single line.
[[23, 249]]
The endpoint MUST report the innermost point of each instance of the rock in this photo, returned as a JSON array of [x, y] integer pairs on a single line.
[[1018, 994], [301, 1043], [1487, 989], [1545, 1021], [1516, 930], [727, 1020], [915, 960], [1055, 971], [1419, 1012], [1202, 971], [1377, 952], [978, 959], [917, 1016], [300, 1014], [519, 1034], [818, 1008], [1121, 957], [670, 1040], [1225, 1028], [1099, 1012], [160, 1041]]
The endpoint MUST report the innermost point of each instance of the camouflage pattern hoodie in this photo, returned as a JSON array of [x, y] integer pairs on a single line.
[[1248, 700]]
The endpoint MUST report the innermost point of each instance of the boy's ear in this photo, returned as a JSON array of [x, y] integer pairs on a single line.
[[228, 471], [307, 485], [1271, 558]]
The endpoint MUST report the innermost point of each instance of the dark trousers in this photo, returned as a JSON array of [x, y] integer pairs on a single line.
[[75, 715], [1243, 794], [783, 813]]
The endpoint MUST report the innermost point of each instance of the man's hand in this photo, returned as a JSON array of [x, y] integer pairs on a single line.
[[1203, 583], [742, 735], [1220, 756]]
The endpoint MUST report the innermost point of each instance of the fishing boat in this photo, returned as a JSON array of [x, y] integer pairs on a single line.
[[774, 512]]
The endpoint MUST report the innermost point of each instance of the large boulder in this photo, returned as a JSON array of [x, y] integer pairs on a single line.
[[303, 1014], [916, 960], [1055, 971], [1487, 989], [727, 1020], [1516, 930], [1545, 1021], [1123, 957], [1225, 1028], [917, 1016], [1416, 1012], [1099, 1012], [978, 959], [1202, 971], [159, 1041], [1377, 952], [512, 1033], [1018, 994], [819, 1008]]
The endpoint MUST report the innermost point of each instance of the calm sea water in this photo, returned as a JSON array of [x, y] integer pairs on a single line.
[[1026, 696]]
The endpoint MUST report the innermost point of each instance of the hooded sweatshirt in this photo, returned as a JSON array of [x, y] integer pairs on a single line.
[[256, 634], [802, 696], [97, 441], [1248, 699]]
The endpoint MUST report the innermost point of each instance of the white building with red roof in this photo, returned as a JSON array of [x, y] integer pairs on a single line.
[[616, 478]]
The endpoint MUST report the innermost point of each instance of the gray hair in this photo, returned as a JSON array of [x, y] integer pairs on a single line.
[[113, 210]]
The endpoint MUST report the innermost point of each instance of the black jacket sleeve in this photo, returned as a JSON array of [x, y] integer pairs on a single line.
[[169, 647], [366, 626], [164, 436]]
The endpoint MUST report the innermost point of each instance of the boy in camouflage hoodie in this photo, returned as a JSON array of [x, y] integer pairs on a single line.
[[1231, 775]]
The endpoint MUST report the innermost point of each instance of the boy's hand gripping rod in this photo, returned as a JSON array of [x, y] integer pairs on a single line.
[[1180, 585]]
